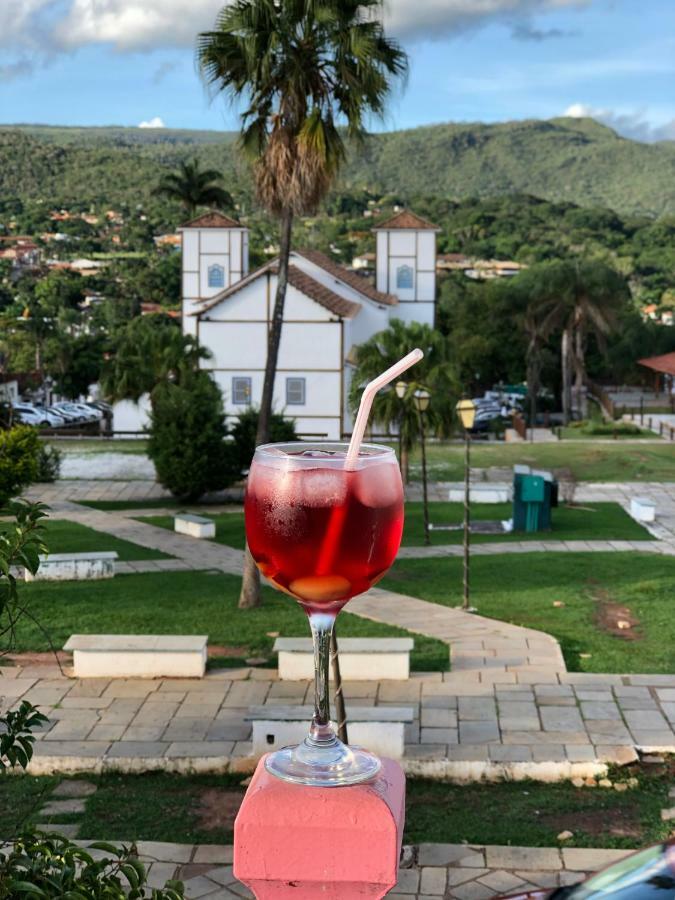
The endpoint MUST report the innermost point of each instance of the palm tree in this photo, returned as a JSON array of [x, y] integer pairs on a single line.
[[194, 187], [436, 372], [301, 68], [148, 351]]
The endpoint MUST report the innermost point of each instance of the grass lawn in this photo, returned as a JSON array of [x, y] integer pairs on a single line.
[[201, 808], [597, 590], [64, 537], [607, 521], [99, 445], [187, 603], [166, 503], [587, 460]]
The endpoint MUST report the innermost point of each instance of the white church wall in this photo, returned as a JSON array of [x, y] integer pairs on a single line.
[[322, 393], [190, 285], [426, 251], [234, 345], [402, 243], [419, 311], [299, 308], [214, 240], [395, 263], [325, 278], [307, 345], [381, 267], [426, 286], [248, 304], [130, 416], [190, 251]]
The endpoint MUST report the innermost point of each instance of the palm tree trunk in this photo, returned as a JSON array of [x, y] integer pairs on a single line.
[[405, 462], [566, 375], [249, 596], [581, 401]]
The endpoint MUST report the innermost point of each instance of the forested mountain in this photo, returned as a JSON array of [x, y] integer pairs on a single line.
[[573, 160]]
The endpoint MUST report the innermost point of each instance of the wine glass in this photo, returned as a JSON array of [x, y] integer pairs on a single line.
[[323, 532]]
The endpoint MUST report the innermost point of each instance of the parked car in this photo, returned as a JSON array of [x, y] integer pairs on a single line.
[[53, 417], [77, 411], [646, 875], [29, 415]]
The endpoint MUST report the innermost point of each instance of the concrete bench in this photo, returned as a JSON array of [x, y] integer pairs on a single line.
[[138, 655], [361, 659], [74, 566], [482, 493], [194, 526], [642, 509], [380, 729]]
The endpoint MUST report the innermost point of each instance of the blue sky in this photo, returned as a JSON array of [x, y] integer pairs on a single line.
[[98, 62]]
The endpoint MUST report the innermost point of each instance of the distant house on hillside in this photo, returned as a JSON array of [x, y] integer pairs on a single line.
[[329, 310], [168, 241], [484, 269], [22, 252]]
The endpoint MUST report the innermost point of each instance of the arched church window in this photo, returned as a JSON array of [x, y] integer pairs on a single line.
[[404, 277], [216, 276]]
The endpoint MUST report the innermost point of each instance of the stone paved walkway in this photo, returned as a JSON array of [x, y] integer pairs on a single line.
[[438, 872], [507, 708]]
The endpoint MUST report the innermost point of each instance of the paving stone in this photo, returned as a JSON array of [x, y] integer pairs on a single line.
[[432, 880], [560, 718], [501, 881], [645, 720], [478, 732], [91, 749], [668, 710], [438, 735], [200, 748], [446, 854], [143, 749], [590, 860], [509, 753], [74, 787], [200, 886], [164, 851], [144, 733], [106, 732], [548, 753], [159, 873], [222, 854], [460, 874], [67, 830], [540, 879], [498, 857], [473, 708], [61, 807], [408, 881], [471, 890], [468, 753], [596, 710], [438, 718]]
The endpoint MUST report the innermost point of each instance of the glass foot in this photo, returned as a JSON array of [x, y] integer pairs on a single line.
[[323, 764]]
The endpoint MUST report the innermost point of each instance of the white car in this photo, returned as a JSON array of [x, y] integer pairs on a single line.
[[77, 411], [55, 418], [29, 415]]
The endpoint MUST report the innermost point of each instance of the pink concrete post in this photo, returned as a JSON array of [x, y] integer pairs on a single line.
[[293, 841]]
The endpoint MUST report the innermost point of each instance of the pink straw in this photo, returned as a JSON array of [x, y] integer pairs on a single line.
[[367, 401]]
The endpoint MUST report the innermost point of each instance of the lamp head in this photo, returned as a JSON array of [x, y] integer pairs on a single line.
[[400, 388], [421, 398], [466, 410]]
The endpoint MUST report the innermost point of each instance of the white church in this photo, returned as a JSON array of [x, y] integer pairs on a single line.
[[329, 310]]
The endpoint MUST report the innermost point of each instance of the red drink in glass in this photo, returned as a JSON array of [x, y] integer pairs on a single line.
[[320, 533], [323, 532]]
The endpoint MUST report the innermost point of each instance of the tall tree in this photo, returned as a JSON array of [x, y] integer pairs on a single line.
[[301, 68], [193, 187]]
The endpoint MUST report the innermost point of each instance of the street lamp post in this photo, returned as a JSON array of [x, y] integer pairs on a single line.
[[466, 410], [401, 387], [421, 399]]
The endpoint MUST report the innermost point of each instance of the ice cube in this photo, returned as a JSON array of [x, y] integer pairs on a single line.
[[323, 487], [378, 486]]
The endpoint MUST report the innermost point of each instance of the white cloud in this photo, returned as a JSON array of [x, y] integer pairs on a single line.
[[49, 25], [155, 122], [633, 124]]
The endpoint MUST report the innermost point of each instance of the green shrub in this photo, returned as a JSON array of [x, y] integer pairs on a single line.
[[244, 431], [188, 437], [49, 865], [49, 463], [19, 460]]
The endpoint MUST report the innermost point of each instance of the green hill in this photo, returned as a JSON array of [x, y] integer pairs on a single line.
[[575, 160]]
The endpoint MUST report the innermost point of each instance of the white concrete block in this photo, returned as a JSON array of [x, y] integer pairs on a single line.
[[74, 567], [378, 729], [138, 655], [361, 659], [194, 526], [482, 493], [642, 509]]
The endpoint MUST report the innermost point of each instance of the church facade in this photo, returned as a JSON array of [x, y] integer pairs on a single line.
[[329, 310]]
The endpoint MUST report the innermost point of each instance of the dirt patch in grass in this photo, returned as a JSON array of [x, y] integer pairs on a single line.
[[614, 618], [623, 822], [217, 808], [217, 650], [46, 658]]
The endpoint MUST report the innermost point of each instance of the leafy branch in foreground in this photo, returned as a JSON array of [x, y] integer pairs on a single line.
[[48, 865], [21, 542], [16, 741]]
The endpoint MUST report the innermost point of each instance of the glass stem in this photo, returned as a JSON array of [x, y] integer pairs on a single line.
[[321, 731]]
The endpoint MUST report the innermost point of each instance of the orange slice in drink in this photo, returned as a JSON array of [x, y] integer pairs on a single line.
[[321, 588]]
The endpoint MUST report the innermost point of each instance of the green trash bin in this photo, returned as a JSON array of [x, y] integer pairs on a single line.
[[534, 494]]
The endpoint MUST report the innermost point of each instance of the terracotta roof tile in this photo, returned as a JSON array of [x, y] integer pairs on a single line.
[[298, 279], [353, 279], [407, 220], [323, 295], [212, 219]]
